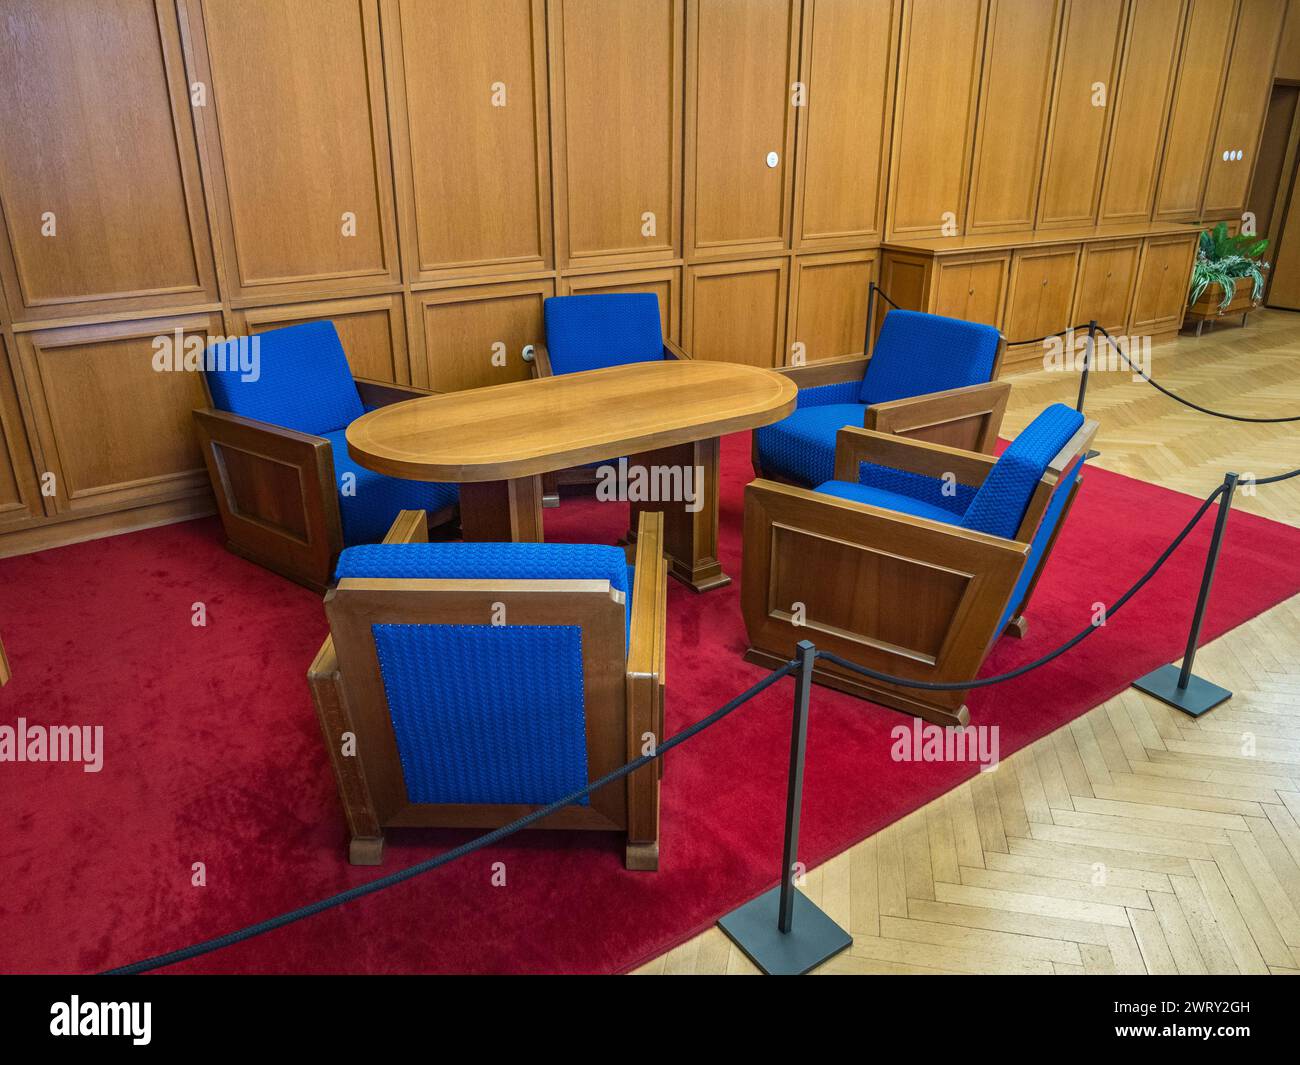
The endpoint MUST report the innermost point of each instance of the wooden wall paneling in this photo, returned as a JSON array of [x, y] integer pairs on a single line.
[[296, 139], [101, 202], [1245, 102], [940, 51], [1107, 274], [1284, 285], [475, 336], [828, 304], [1040, 296], [741, 63], [1202, 63], [735, 311], [617, 74], [973, 287], [665, 282], [116, 432], [1288, 53], [372, 329], [847, 67], [474, 168], [20, 494], [1142, 100], [1015, 101], [1161, 293], [1077, 135]]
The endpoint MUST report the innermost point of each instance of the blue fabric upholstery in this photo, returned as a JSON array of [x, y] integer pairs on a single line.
[[369, 509], [486, 713], [918, 353], [951, 496], [1000, 504], [801, 446], [608, 329], [880, 497], [303, 381], [824, 395]]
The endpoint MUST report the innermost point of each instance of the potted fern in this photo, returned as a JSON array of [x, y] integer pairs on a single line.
[[1228, 277]]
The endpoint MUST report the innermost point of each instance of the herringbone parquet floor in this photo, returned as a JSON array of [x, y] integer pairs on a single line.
[[1135, 839]]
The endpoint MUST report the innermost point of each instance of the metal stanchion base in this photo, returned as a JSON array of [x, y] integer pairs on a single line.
[[813, 937], [1199, 695]]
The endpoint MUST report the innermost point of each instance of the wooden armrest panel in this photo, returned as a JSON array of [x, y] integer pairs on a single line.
[[853, 446], [826, 371], [382, 393], [968, 417], [674, 351], [647, 652], [541, 360]]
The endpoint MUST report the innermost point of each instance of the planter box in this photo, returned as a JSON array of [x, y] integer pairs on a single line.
[[1208, 307]]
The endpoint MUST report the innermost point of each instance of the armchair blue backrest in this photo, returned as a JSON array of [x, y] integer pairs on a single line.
[[486, 713], [605, 329], [918, 353], [300, 379]]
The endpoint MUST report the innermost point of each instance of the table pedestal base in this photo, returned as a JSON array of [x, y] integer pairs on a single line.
[[502, 511], [690, 526]]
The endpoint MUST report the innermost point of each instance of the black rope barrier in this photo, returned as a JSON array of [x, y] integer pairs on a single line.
[[495, 836]]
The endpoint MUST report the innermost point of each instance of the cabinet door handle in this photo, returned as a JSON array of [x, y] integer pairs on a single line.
[[1044, 282], [971, 292]]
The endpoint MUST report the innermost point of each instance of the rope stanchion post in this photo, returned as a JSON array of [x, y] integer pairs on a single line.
[[1088, 351], [871, 317], [1180, 687], [782, 931]]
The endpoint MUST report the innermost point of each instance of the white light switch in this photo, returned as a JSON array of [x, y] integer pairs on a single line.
[[772, 159]]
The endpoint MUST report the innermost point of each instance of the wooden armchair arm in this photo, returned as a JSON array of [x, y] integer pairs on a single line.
[[645, 657], [235, 428], [826, 371], [675, 351], [645, 688], [540, 359], [382, 393], [853, 446], [980, 407], [4, 667]]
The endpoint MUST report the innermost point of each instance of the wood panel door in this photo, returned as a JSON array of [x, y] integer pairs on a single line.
[[1107, 273], [1041, 294], [971, 287], [847, 69], [20, 495], [828, 305], [1207, 40], [1086, 69], [1245, 102], [371, 328], [741, 62], [101, 204], [940, 50], [664, 282], [616, 83], [1015, 101], [296, 134], [1142, 100], [468, 84], [1161, 295], [735, 312], [475, 336], [115, 429]]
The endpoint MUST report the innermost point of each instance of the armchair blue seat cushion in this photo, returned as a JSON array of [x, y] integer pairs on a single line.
[[303, 381], [370, 506], [801, 446], [607, 329]]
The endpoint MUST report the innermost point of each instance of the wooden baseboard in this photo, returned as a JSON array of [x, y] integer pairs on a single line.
[[75, 530]]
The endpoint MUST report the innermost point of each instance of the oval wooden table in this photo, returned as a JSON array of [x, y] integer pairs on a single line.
[[496, 442]]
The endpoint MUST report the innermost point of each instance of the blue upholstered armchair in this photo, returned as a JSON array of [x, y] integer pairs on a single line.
[[484, 680], [929, 378], [289, 494], [912, 560], [591, 332]]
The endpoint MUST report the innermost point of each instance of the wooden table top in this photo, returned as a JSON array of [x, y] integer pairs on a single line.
[[530, 427]]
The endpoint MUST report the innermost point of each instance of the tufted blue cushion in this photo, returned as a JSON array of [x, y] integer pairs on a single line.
[[918, 353], [303, 380], [825, 395], [999, 506], [880, 497], [486, 713], [368, 514], [930, 490], [608, 329], [801, 446]]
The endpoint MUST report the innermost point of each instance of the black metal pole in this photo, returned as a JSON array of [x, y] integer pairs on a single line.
[[794, 789], [1089, 348], [1207, 578], [871, 316]]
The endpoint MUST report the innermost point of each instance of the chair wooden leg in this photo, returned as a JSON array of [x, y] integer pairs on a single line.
[[642, 857], [366, 850], [1016, 627]]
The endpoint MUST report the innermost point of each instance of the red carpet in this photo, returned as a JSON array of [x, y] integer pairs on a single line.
[[213, 755]]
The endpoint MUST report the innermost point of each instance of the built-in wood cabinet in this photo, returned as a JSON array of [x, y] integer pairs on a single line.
[[939, 62], [1015, 100], [617, 129], [735, 311], [741, 64], [1104, 292], [973, 287], [664, 282], [1161, 294], [1088, 61], [1198, 89], [101, 204], [828, 305], [296, 132], [1245, 101], [1041, 293], [846, 75], [1141, 105], [20, 497]]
